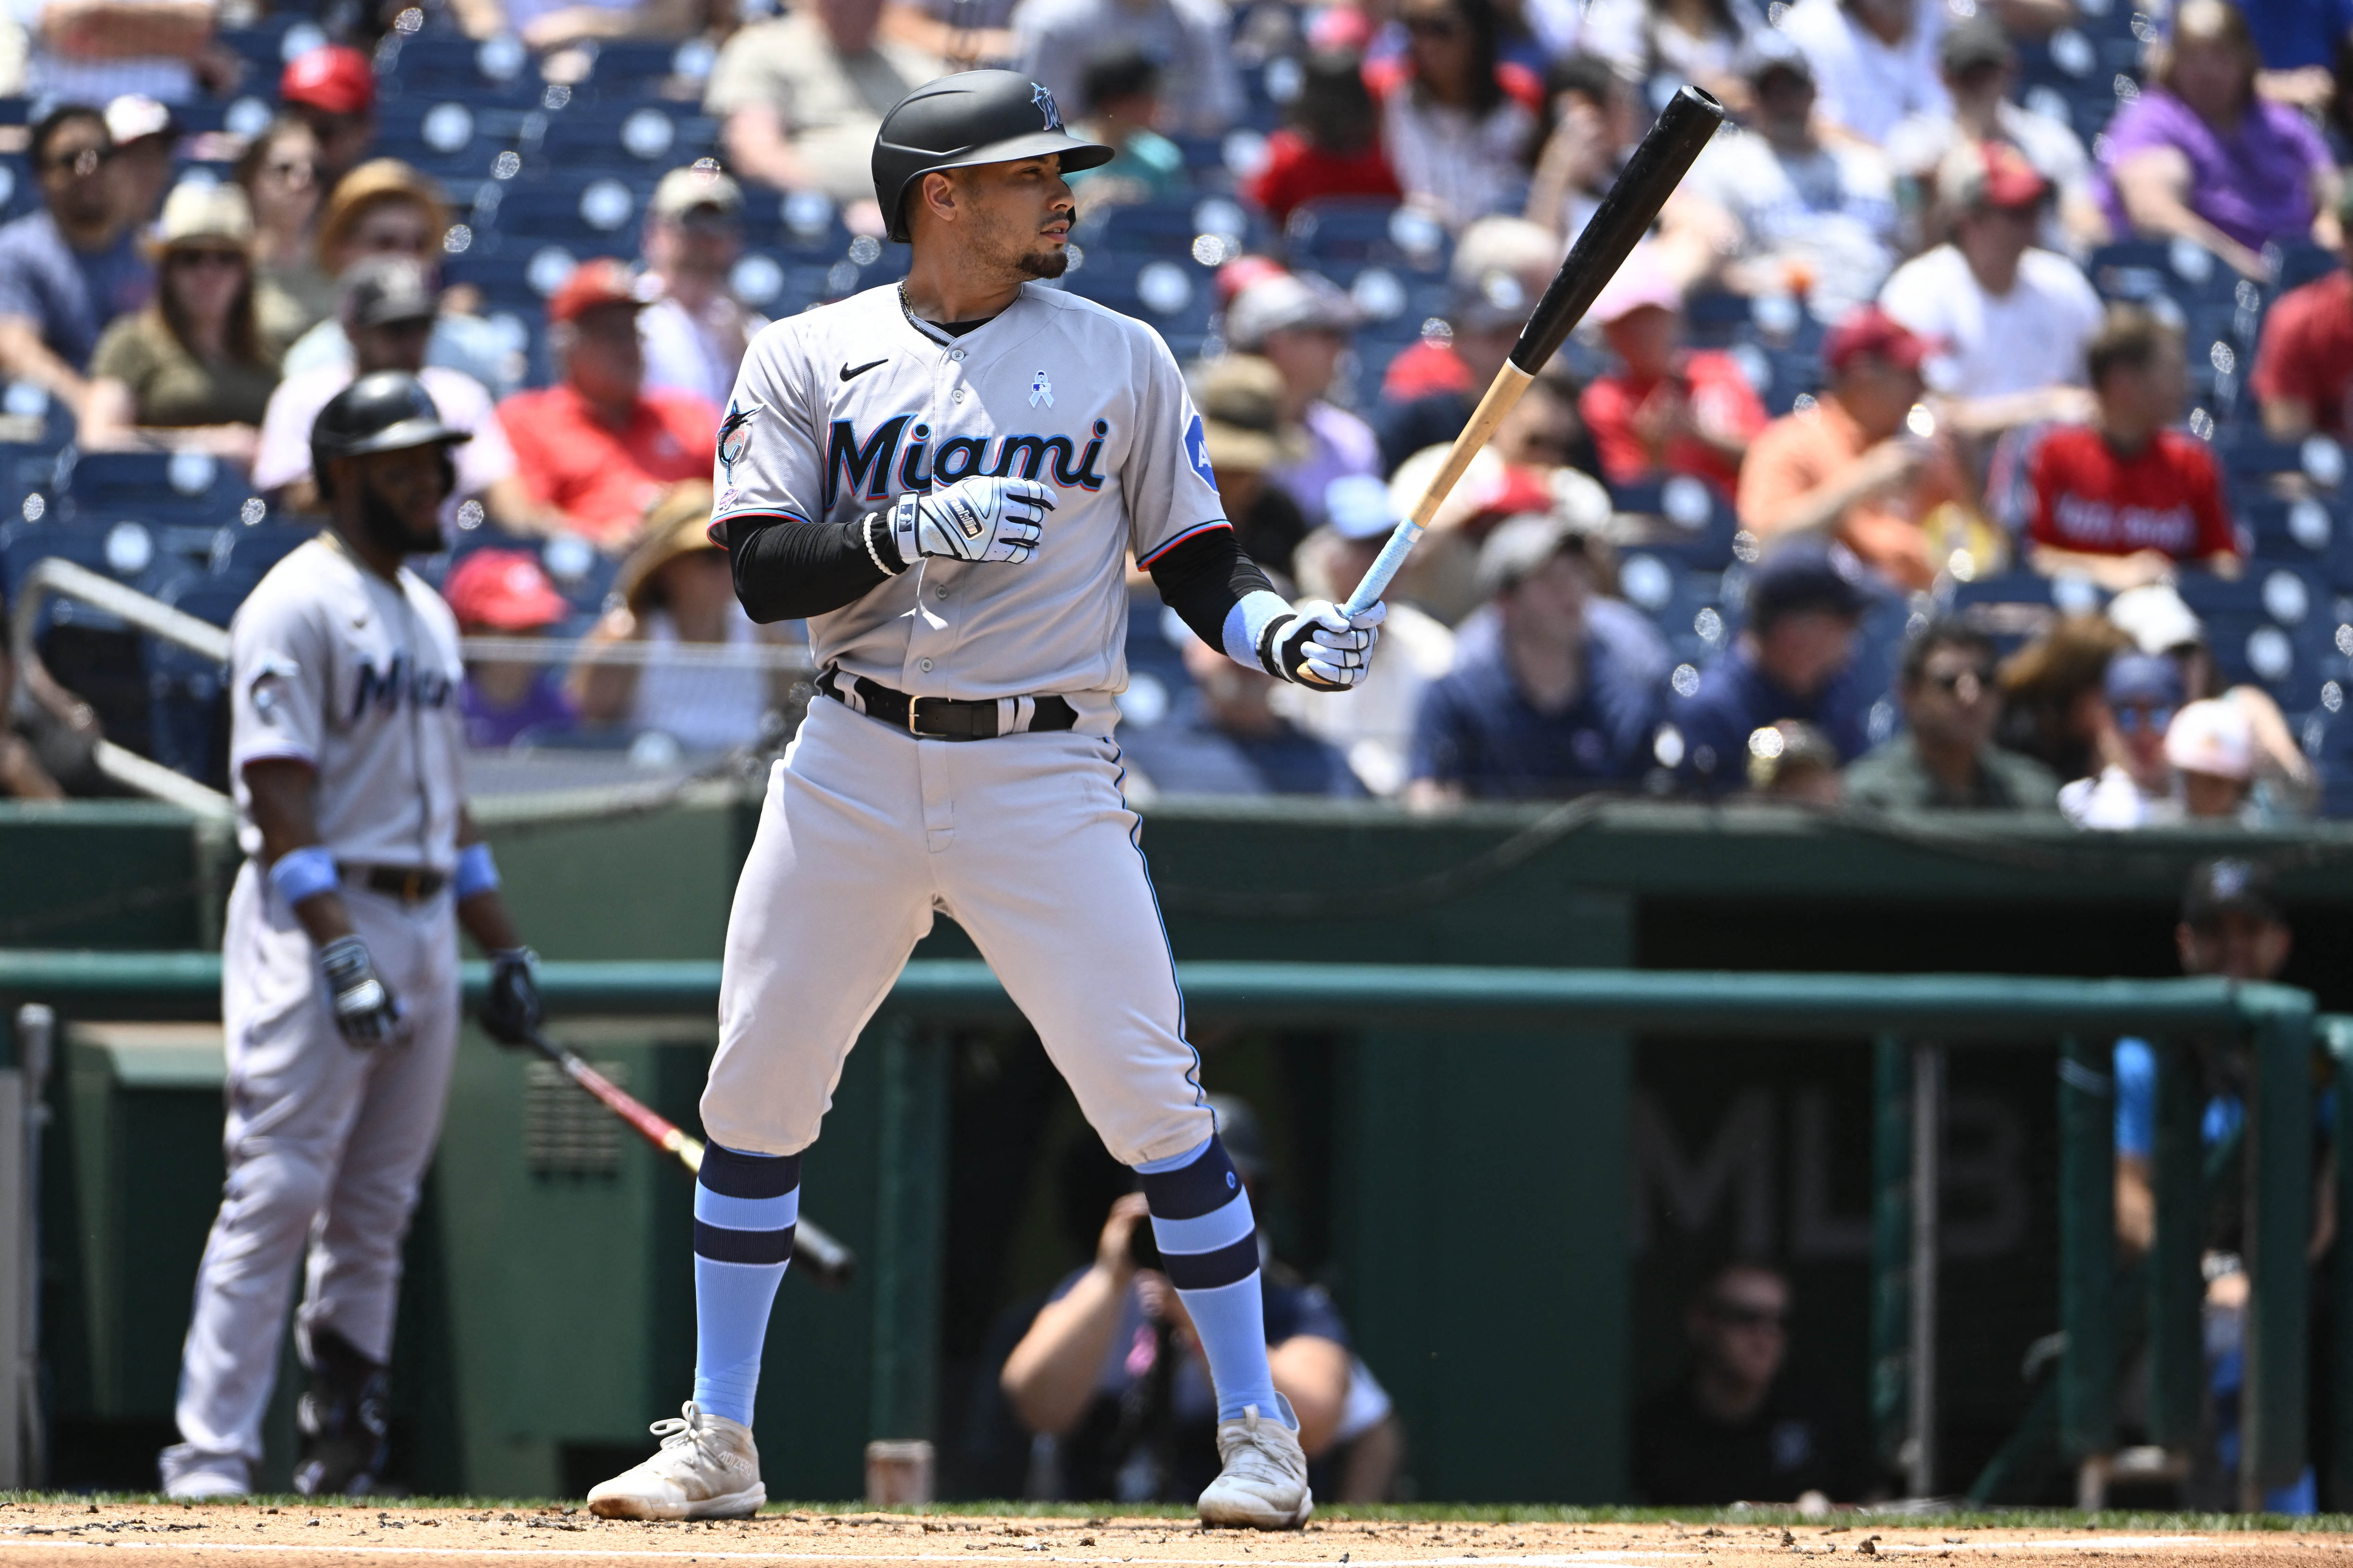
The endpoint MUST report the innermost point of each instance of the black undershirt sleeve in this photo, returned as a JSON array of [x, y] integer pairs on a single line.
[[1203, 578], [787, 569]]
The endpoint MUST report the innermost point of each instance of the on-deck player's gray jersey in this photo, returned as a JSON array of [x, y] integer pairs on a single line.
[[839, 409], [330, 663]]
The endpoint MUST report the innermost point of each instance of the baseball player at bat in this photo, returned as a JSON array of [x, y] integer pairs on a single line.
[[946, 477], [339, 964]]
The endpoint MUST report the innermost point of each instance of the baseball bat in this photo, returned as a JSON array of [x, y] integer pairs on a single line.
[[815, 1248], [1627, 209]]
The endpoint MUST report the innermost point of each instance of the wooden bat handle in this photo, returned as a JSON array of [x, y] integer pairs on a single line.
[[1502, 393]]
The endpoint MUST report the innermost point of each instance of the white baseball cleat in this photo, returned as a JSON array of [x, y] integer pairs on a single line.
[[707, 1467], [1264, 1483]]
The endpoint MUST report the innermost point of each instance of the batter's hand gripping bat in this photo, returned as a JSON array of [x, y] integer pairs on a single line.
[[815, 1248], [1633, 200]]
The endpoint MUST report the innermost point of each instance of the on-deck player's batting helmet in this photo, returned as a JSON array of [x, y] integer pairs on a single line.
[[974, 117], [384, 411]]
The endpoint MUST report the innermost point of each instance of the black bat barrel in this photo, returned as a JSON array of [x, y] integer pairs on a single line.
[[1625, 215]]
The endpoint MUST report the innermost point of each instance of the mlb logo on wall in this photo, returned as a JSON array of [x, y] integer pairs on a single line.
[[1045, 102]]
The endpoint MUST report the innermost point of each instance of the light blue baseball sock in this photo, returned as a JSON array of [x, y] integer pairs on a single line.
[[746, 1207], [1209, 1244]]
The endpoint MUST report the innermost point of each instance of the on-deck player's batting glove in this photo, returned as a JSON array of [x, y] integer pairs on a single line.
[[366, 1012], [510, 1009], [979, 519], [1314, 644]]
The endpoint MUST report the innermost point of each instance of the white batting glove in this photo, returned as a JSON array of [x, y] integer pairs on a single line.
[[973, 520], [1316, 644]]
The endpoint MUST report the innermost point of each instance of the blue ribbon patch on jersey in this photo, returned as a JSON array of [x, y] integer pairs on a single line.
[[1197, 452]]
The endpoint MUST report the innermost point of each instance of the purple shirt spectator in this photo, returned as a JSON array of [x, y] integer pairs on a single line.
[[2254, 185], [543, 708]]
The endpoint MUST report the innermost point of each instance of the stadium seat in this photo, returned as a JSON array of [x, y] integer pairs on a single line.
[[175, 487], [1339, 235]]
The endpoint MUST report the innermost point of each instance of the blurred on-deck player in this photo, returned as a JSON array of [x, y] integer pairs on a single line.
[[338, 966], [946, 477]]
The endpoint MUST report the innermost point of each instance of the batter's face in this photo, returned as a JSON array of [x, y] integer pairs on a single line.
[[400, 495], [1013, 219]]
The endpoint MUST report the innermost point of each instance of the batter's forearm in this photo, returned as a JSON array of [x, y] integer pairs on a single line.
[[787, 569], [1204, 578], [280, 790]]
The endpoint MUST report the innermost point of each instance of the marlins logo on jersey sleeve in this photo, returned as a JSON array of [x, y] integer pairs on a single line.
[[766, 464]]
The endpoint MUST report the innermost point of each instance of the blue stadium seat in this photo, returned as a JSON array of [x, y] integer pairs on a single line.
[[1339, 235], [497, 71], [1174, 297], [647, 139], [2274, 627], [175, 487]]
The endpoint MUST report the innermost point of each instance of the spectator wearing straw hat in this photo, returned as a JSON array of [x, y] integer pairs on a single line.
[[506, 593], [193, 368], [676, 593], [388, 309], [1249, 441], [1374, 725], [600, 446], [1664, 409], [696, 329], [1557, 693], [1302, 325]]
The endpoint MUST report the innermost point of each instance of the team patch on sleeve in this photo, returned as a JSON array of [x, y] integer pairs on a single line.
[[735, 435], [1197, 452]]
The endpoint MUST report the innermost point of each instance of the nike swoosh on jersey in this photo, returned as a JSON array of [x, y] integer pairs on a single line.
[[850, 374]]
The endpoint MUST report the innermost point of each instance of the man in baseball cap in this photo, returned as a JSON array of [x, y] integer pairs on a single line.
[[2009, 320], [1848, 468], [145, 133], [1302, 325], [1794, 660], [600, 446], [332, 89], [696, 329]]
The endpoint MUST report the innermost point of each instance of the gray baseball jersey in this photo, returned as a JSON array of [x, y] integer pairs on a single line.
[[358, 677], [841, 409]]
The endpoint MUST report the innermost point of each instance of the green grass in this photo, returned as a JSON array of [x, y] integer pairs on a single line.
[[1403, 1514]]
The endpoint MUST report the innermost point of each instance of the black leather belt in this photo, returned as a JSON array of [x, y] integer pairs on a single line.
[[947, 717], [409, 884]]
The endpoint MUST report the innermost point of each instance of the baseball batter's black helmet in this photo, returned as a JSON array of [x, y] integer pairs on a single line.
[[386, 411], [974, 117]]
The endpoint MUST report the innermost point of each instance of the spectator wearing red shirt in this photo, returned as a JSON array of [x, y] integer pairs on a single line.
[[600, 446], [2124, 501], [1664, 410], [2303, 369], [1332, 146]]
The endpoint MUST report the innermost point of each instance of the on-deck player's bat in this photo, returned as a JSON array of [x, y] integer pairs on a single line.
[[1633, 200], [815, 1248]]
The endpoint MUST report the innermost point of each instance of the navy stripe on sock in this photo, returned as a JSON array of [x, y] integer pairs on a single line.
[[720, 1245], [1206, 1185], [1207, 1271], [735, 1175]]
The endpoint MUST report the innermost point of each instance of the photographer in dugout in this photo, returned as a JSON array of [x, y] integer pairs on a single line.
[[1112, 1371], [339, 962]]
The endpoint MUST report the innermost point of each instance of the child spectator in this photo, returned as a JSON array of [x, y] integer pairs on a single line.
[[193, 369], [2009, 319], [2214, 753], [1123, 103], [2125, 500], [1558, 693], [1944, 758], [504, 594], [1666, 409], [2134, 787], [1847, 468], [1794, 660], [1456, 118], [1301, 326], [2303, 369], [1332, 146], [2200, 155]]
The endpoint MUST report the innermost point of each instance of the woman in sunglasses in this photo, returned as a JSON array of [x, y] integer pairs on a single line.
[[1456, 118], [194, 369], [281, 175]]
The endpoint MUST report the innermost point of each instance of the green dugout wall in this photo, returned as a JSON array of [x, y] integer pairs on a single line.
[[1502, 1227]]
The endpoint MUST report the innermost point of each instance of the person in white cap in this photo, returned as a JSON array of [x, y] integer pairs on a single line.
[[2159, 621], [145, 134], [696, 332], [1374, 727], [2213, 751], [1301, 326]]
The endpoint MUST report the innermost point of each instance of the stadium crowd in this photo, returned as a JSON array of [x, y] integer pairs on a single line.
[[1965, 436]]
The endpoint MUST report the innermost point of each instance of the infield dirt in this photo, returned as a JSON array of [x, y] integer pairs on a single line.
[[168, 1535]]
